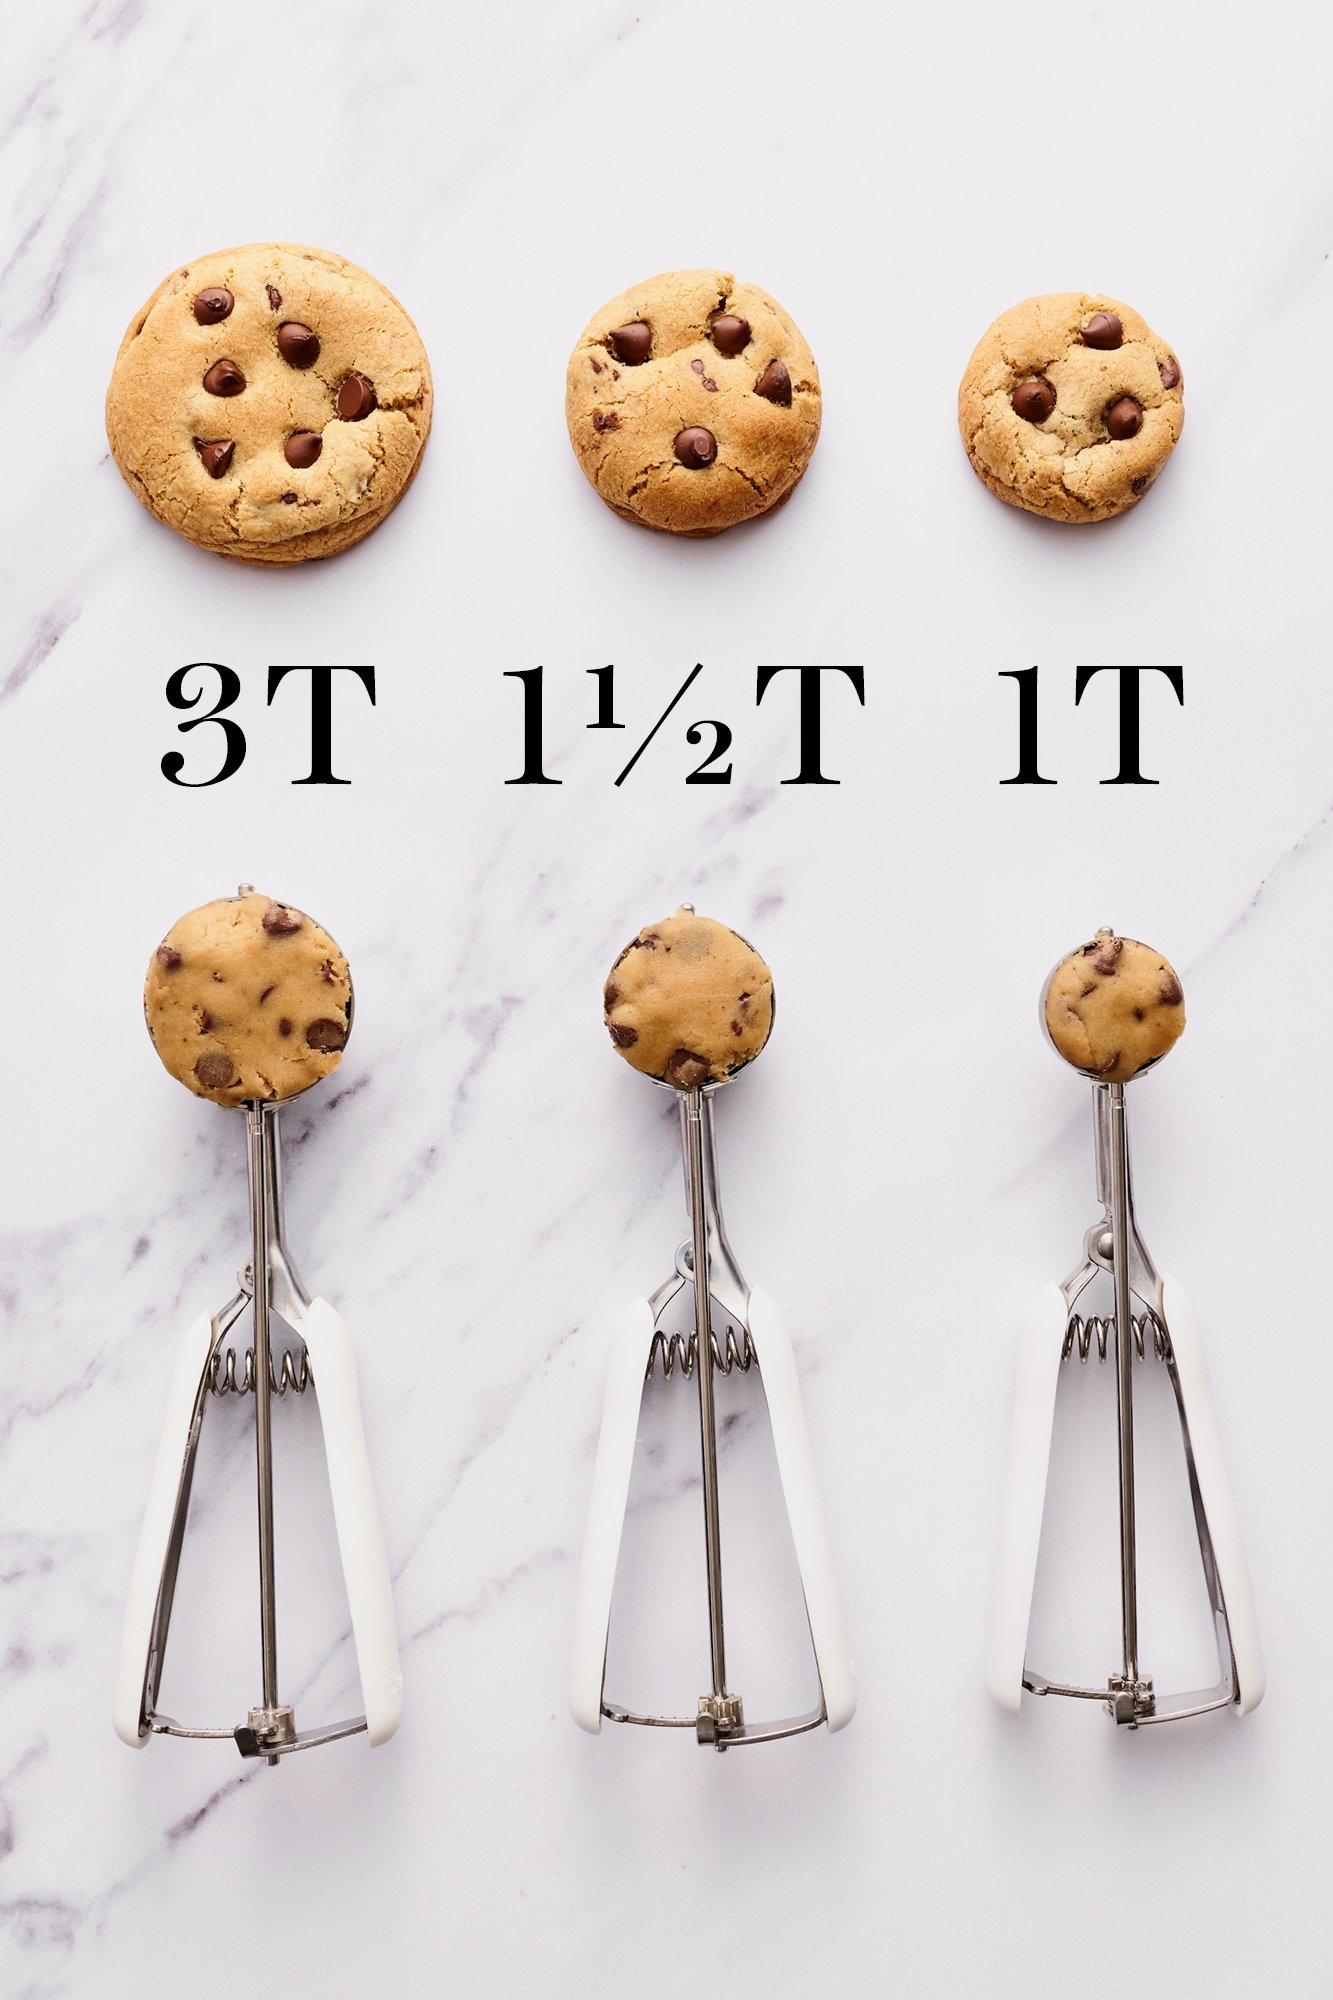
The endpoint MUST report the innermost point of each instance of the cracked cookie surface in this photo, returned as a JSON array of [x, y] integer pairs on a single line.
[[688, 1001], [247, 998], [1070, 406], [693, 403], [270, 403], [1113, 1007]]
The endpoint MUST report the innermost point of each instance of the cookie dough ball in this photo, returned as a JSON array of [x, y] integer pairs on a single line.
[[248, 998], [270, 403], [1113, 1007], [692, 403], [689, 1002], [1070, 407]]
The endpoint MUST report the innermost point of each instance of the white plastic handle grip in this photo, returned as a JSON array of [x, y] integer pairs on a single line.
[[356, 1517], [155, 1534], [1219, 1507], [1041, 1338], [626, 1367], [805, 1509]]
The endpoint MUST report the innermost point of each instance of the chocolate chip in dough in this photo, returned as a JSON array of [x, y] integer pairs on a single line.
[[280, 921], [212, 305], [215, 1071], [1169, 370], [686, 1070], [274, 297], [326, 1035], [624, 1037], [168, 957], [1171, 994]]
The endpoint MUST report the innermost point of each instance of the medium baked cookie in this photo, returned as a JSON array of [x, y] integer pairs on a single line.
[[1070, 406], [692, 403], [248, 998], [270, 403], [688, 1001], [1113, 1007]]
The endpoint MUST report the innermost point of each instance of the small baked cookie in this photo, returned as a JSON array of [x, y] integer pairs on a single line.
[[688, 1001], [248, 998], [692, 403], [1113, 1007], [270, 403], [1071, 406]]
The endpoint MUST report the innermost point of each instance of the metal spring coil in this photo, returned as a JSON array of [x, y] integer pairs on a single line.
[[679, 1351], [225, 1378], [1082, 1334]]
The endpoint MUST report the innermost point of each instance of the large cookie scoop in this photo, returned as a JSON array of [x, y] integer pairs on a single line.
[[688, 1001], [248, 1000], [1113, 1007]]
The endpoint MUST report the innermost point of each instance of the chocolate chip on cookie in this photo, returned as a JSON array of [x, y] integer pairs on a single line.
[[213, 977], [215, 457], [1070, 407], [695, 447], [631, 343], [212, 305], [298, 344], [697, 358], [370, 391], [224, 378], [690, 1002], [356, 399]]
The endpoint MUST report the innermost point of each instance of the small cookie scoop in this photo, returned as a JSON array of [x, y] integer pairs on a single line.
[[689, 1002], [1113, 1007], [248, 999]]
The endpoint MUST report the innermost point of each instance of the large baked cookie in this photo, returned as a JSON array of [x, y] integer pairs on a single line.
[[1113, 1007], [1070, 406], [246, 998], [692, 403], [270, 403], [689, 1001]]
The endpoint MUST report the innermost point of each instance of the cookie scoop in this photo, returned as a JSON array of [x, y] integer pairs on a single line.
[[249, 1002], [1113, 1007], [688, 1001]]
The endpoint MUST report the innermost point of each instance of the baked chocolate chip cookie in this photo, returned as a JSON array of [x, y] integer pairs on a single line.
[[688, 1001], [247, 998], [692, 403], [1113, 1007], [271, 403], [1070, 406]]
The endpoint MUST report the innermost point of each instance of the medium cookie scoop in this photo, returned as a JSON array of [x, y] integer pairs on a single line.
[[1113, 1008], [1070, 406], [693, 403], [248, 1000], [689, 1002]]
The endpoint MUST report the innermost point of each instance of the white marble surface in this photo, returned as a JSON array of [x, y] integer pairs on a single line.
[[485, 1184]]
